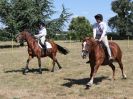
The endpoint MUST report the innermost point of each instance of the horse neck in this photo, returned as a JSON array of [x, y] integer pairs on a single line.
[[94, 45], [30, 40]]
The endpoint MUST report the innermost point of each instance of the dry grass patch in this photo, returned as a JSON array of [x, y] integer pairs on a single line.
[[69, 83]]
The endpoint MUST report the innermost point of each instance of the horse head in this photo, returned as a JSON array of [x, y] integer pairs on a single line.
[[21, 36], [86, 46]]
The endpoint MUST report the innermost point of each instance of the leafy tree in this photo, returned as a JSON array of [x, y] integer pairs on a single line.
[[20, 14], [81, 27], [122, 22]]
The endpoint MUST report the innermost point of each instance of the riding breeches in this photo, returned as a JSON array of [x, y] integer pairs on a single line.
[[106, 43], [42, 39]]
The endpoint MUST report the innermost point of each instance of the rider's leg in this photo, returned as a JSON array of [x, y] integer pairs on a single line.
[[43, 42], [106, 43]]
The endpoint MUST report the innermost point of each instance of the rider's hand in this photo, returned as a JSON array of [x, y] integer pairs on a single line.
[[35, 36], [99, 40]]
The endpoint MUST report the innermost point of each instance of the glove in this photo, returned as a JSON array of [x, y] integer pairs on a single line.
[[99, 40]]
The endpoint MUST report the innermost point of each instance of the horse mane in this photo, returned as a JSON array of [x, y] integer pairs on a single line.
[[28, 33], [92, 40]]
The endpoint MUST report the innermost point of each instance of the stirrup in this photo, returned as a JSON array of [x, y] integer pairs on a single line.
[[111, 58]]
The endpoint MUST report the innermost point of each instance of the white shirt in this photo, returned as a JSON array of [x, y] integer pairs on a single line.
[[100, 29], [42, 32]]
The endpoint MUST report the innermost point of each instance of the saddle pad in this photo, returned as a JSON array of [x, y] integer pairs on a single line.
[[48, 45]]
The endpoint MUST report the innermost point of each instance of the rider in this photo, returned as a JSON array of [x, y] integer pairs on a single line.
[[100, 32], [41, 36]]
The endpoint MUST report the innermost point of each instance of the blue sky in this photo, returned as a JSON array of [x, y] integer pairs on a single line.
[[87, 8]]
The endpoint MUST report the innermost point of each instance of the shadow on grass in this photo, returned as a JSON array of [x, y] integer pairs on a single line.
[[83, 81], [30, 70], [9, 46]]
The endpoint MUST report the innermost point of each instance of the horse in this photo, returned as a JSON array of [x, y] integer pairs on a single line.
[[98, 56], [34, 50]]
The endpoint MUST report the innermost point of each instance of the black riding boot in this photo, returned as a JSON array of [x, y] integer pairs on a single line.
[[43, 45]]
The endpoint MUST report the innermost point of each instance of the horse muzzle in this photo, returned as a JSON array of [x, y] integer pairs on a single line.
[[84, 54]]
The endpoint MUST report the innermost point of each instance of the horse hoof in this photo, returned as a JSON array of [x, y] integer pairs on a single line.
[[40, 72], [52, 70], [124, 77], [24, 72], [87, 87]]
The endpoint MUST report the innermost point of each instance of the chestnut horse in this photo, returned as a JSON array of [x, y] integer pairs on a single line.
[[98, 56], [34, 50]]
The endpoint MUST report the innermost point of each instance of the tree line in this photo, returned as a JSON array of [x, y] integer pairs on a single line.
[[18, 15]]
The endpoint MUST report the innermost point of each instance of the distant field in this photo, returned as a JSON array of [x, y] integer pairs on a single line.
[[69, 83]]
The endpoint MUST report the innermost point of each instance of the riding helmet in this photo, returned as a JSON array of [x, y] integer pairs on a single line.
[[99, 16]]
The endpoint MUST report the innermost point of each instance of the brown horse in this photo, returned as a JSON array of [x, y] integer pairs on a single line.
[[34, 50], [98, 56]]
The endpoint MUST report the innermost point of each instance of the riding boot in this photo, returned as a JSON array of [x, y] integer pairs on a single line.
[[109, 53], [44, 46]]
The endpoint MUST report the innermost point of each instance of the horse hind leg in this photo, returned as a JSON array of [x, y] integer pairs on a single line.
[[121, 67], [53, 66], [58, 64], [55, 60], [113, 69]]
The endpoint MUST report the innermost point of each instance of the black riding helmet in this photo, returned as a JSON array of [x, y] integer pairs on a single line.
[[42, 23], [99, 16]]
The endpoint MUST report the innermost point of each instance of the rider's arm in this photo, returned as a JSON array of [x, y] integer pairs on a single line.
[[42, 32], [94, 31]]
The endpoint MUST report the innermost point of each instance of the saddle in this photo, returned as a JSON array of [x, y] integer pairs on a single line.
[[46, 46], [43, 46], [104, 48]]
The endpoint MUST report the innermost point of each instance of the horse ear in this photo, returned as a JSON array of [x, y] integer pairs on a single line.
[[87, 38]]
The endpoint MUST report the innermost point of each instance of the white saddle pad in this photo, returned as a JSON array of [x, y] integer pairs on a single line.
[[48, 45]]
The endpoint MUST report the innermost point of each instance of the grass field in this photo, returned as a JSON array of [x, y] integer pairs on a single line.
[[68, 83]]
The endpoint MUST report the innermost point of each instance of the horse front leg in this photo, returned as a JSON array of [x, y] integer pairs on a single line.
[[26, 69], [39, 64], [92, 75]]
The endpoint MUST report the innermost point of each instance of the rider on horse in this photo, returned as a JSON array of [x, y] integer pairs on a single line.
[[100, 32], [41, 36]]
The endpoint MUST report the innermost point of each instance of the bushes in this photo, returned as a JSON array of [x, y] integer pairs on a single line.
[[115, 36], [5, 36]]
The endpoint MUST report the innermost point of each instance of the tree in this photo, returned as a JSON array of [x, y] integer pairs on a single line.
[[18, 15], [122, 22], [80, 27]]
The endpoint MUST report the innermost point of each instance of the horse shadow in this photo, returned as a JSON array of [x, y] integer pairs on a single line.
[[83, 81], [32, 70]]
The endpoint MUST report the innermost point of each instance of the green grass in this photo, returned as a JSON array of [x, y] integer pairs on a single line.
[[69, 83]]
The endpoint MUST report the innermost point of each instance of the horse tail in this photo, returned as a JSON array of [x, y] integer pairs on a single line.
[[62, 50]]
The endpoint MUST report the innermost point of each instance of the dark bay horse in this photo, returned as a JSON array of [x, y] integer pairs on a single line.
[[34, 50], [98, 56]]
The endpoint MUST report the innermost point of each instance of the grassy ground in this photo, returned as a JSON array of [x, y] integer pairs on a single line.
[[69, 83]]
